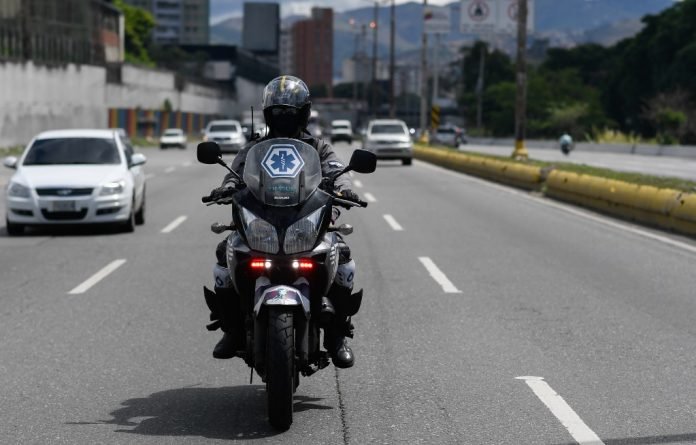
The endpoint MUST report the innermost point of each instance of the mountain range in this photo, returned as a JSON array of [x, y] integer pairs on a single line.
[[562, 22]]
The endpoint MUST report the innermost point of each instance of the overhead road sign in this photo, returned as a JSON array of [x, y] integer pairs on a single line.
[[479, 16], [507, 22]]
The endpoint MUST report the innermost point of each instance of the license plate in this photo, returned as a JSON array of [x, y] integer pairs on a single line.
[[63, 206]]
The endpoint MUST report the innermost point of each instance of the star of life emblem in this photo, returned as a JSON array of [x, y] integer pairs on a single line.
[[282, 161]]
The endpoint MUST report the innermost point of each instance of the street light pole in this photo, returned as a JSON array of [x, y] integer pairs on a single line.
[[424, 76], [392, 33], [521, 100], [374, 25]]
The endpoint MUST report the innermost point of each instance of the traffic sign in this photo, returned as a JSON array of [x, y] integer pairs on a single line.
[[437, 20], [479, 16], [507, 22]]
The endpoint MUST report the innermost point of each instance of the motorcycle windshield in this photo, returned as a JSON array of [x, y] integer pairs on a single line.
[[282, 172]]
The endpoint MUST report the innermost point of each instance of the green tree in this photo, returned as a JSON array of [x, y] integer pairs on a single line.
[[139, 25]]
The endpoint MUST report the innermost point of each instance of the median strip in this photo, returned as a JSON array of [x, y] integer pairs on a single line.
[[97, 277]]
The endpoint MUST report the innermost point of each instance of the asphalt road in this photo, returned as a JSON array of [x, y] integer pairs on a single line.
[[603, 311], [651, 165]]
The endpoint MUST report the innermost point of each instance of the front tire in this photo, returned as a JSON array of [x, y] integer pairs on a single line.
[[14, 229], [129, 225], [406, 161], [280, 367], [140, 214]]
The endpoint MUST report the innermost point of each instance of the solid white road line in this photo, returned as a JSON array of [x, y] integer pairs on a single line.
[[170, 169], [369, 197], [439, 276], [563, 412], [97, 277], [358, 183], [392, 223], [174, 224], [570, 209], [150, 175]]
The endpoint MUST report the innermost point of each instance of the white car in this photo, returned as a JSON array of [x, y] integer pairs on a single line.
[[228, 134], [173, 137], [389, 139], [76, 177], [341, 130]]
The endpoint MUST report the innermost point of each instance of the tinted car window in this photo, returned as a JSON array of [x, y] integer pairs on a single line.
[[173, 133], [340, 127], [387, 129], [68, 151], [225, 128]]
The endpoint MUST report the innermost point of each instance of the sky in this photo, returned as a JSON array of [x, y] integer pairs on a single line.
[[224, 9]]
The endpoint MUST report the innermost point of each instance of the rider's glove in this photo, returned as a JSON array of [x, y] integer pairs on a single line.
[[349, 195], [222, 192]]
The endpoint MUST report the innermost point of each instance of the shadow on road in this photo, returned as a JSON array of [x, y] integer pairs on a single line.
[[234, 412], [66, 230], [650, 440]]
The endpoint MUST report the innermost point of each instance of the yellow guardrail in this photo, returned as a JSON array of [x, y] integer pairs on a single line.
[[666, 208]]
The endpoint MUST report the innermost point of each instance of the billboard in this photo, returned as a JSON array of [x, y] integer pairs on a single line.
[[261, 27], [437, 20], [486, 17]]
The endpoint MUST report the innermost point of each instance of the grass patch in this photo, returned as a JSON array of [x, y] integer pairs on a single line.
[[634, 178], [11, 151], [142, 142]]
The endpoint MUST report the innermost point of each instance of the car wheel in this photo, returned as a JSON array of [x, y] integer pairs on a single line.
[[14, 229], [162, 147], [406, 161], [129, 225], [140, 214]]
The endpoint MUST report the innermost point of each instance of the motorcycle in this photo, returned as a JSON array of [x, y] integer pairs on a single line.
[[282, 257]]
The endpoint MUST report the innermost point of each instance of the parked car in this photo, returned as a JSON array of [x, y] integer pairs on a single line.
[[341, 130], [76, 177], [173, 137], [227, 133], [389, 139], [449, 135]]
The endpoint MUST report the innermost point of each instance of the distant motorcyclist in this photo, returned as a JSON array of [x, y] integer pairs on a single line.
[[286, 108], [566, 143]]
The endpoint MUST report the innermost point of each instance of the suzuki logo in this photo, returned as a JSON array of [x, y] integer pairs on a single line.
[[64, 192]]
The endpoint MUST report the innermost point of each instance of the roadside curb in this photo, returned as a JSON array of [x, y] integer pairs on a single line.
[[659, 207]]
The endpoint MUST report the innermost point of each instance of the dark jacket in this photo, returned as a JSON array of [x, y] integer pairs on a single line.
[[330, 163]]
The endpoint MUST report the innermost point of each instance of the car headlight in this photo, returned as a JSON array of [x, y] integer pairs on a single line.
[[302, 235], [260, 234], [18, 190], [113, 188]]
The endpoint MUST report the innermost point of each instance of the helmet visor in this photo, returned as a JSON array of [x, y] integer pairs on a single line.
[[288, 91]]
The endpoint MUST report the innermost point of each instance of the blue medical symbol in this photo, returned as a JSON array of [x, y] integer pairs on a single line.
[[282, 161]]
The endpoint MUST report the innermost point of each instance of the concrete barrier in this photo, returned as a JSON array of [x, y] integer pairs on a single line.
[[665, 208], [519, 175]]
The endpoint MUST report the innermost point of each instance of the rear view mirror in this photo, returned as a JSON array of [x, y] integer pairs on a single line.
[[363, 161], [10, 162], [138, 159], [208, 153]]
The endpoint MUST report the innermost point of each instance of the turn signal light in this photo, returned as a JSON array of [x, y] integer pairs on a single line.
[[259, 264], [303, 264]]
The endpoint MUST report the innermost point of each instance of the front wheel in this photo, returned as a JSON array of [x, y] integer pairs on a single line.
[[13, 229], [406, 161], [280, 367]]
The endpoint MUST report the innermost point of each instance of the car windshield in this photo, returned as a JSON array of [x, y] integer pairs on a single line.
[[173, 133], [446, 130], [223, 128], [341, 127], [68, 151], [387, 129]]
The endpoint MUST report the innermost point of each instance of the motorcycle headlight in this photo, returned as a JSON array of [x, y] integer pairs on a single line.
[[302, 235], [260, 234], [18, 190], [113, 188]]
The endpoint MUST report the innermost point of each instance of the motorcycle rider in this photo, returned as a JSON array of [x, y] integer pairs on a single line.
[[566, 143], [286, 109]]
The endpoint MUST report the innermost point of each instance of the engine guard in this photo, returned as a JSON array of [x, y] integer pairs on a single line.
[[268, 295]]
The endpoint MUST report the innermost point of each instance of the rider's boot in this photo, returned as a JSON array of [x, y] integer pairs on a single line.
[[336, 344], [226, 314]]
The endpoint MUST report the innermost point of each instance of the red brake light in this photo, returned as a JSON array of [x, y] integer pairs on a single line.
[[303, 264], [260, 264]]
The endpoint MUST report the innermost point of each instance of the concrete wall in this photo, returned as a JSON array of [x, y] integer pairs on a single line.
[[37, 98]]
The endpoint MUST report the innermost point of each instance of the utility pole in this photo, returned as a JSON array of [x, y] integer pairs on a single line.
[[521, 100], [392, 35], [480, 86], [374, 25], [355, 63], [436, 69], [424, 77]]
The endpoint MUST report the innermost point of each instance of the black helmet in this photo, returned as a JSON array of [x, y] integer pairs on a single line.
[[286, 106]]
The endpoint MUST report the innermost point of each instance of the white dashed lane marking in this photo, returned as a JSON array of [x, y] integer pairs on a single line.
[[392, 223], [150, 175], [170, 169], [563, 412], [358, 183], [174, 224], [97, 277], [369, 197], [439, 276]]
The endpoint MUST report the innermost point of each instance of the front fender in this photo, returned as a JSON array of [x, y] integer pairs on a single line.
[[267, 295]]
